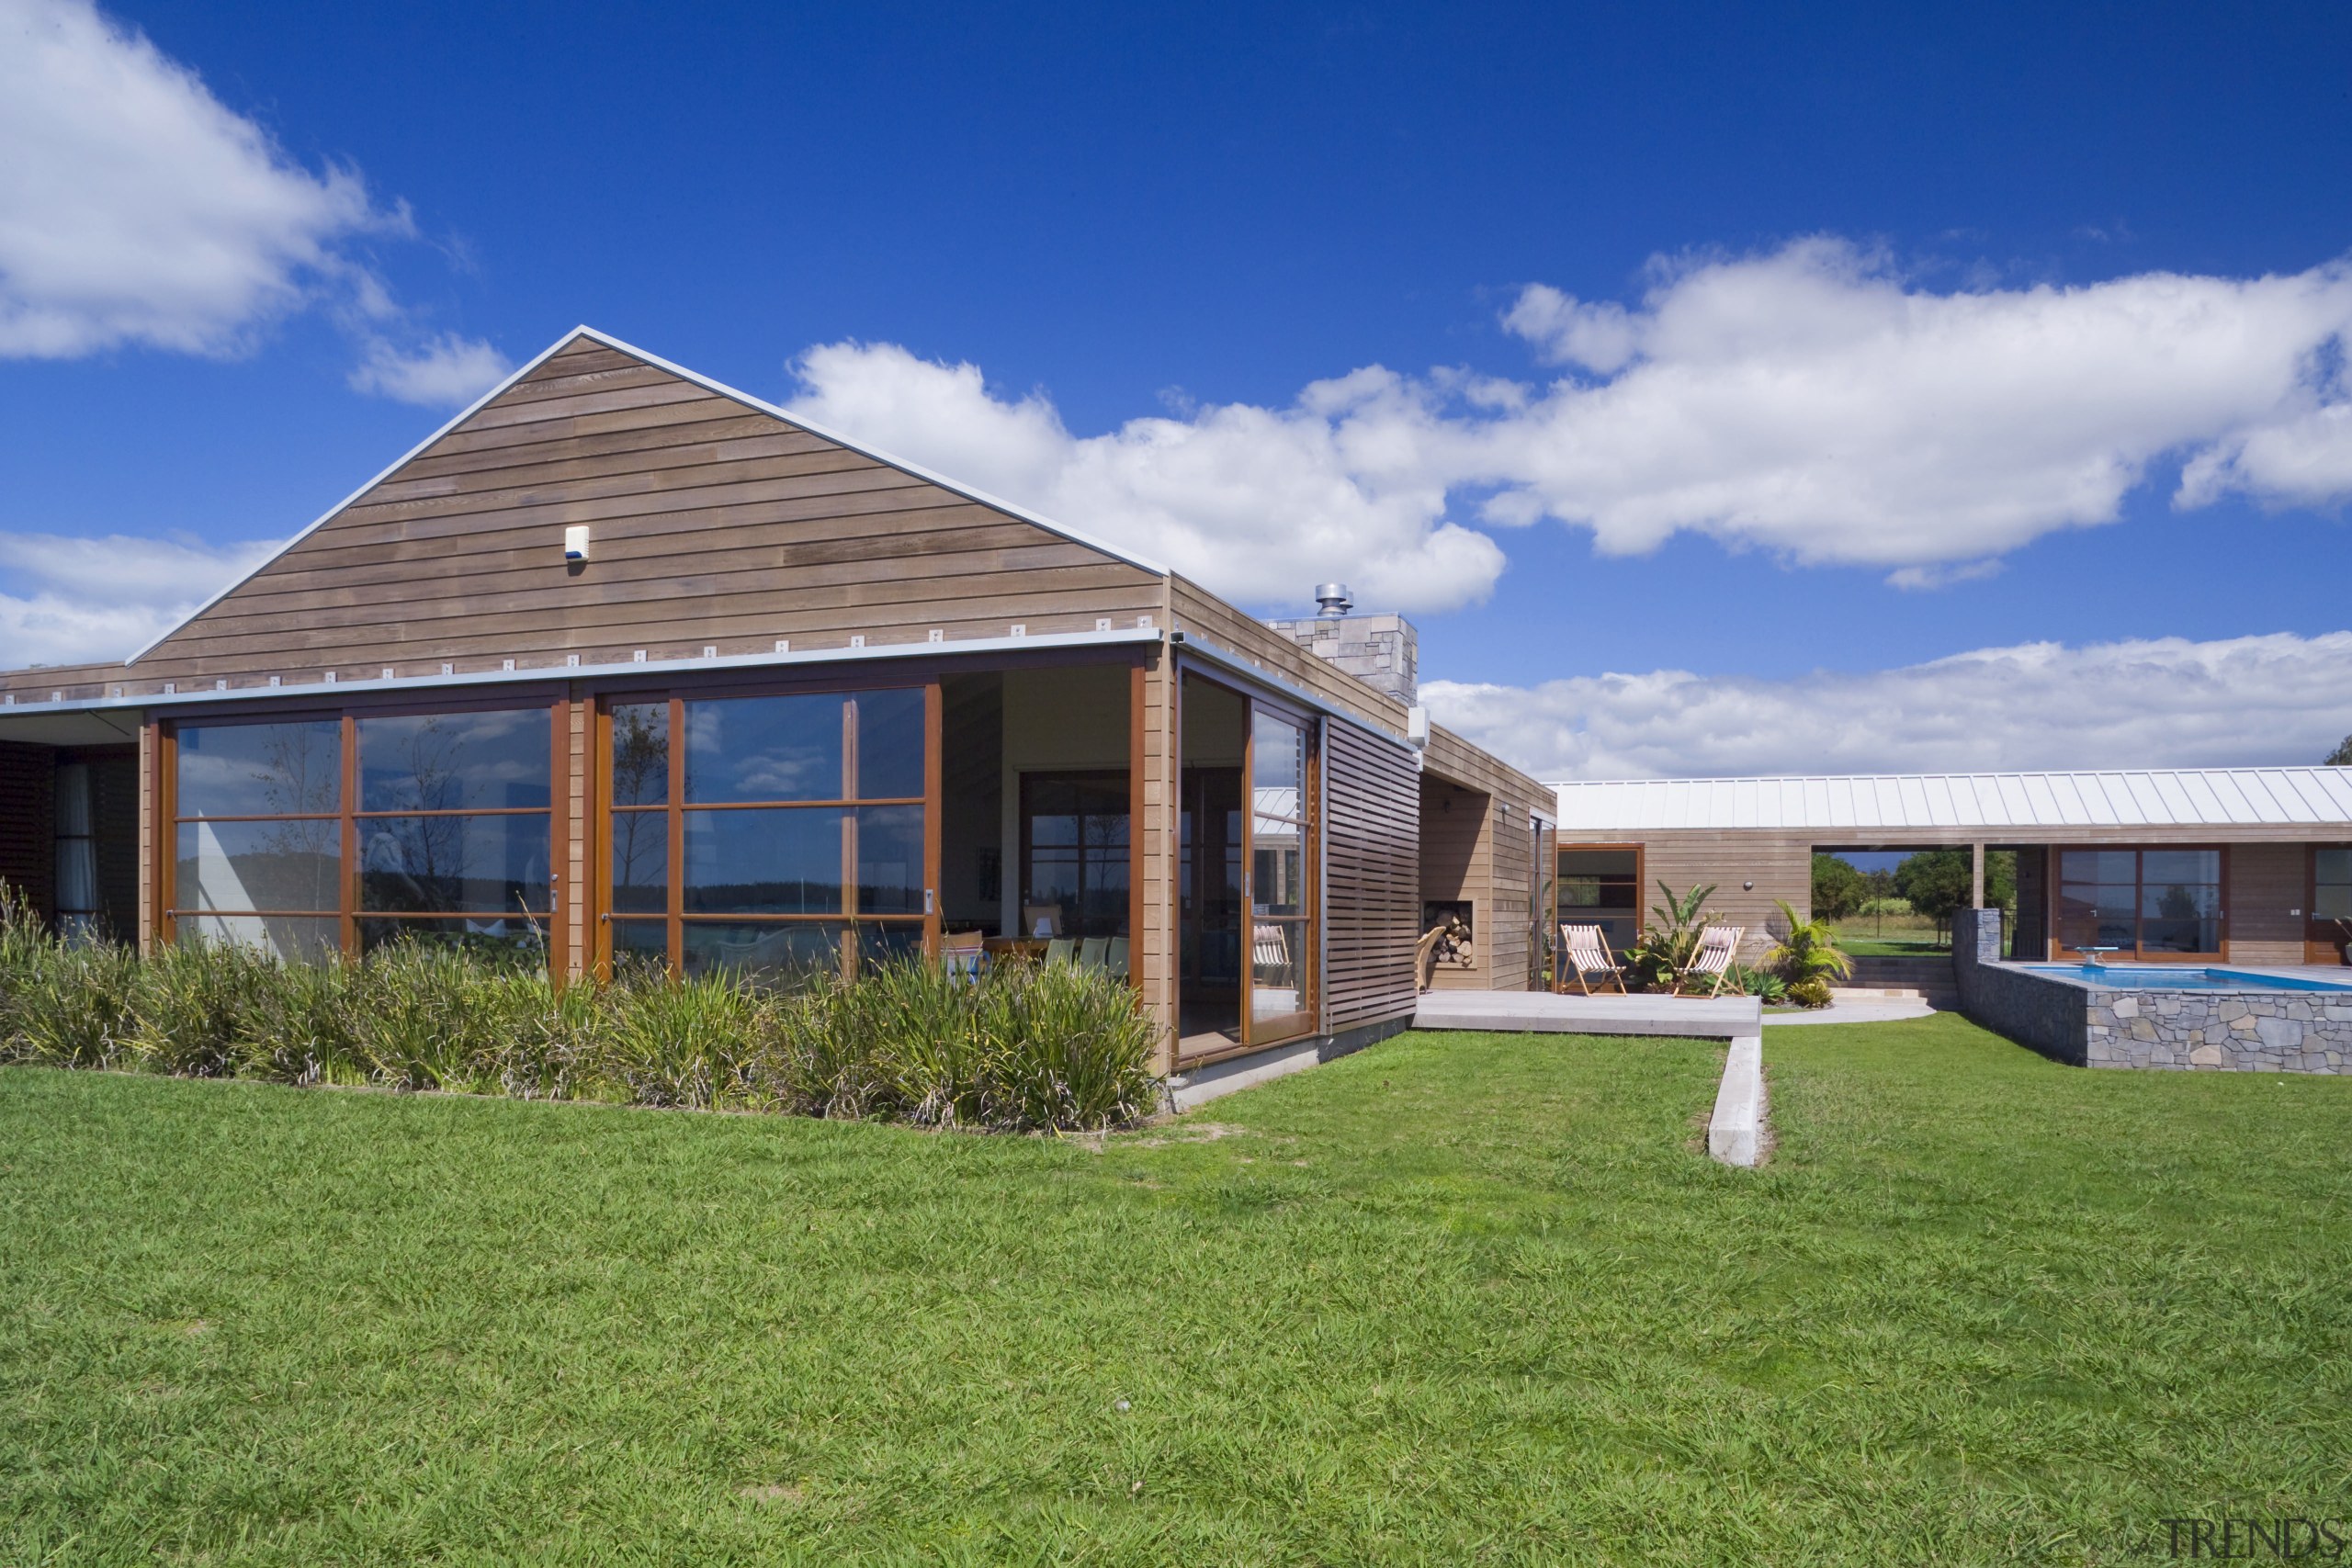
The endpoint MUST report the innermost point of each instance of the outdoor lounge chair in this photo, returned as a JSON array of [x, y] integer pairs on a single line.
[[1115, 958], [1062, 950], [961, 953], [1584, 953], [1712, 961]]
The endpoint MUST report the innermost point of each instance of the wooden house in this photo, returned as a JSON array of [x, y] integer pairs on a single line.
[[622, 665]]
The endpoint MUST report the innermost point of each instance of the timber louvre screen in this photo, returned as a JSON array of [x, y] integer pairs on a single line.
[[1373, 857]]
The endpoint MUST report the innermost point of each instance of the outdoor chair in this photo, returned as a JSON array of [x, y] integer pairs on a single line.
[[1115, 959], [1270, 953], [1091, 952], [962, 953], [1584, 953], [1712, 961], [1061, 950]]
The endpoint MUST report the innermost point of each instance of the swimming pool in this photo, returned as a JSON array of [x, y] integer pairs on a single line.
[[2138, 977]]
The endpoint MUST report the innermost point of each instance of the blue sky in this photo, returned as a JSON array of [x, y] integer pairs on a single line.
[[2062, 255]]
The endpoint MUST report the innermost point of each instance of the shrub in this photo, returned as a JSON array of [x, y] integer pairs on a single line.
[[1807, 951], [1051, 1047], [194, 1006], [1670, 939], [1761, 984], [1812, 993], [69, 1007]]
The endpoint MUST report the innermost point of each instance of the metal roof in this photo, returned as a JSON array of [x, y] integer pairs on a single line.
[[2183, 797]]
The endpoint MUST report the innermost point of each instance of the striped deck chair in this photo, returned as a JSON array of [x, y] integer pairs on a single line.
[[1711, 961], [1585, 952]]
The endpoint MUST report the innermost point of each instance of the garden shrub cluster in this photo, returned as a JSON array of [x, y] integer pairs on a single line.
[[1056, 1047]]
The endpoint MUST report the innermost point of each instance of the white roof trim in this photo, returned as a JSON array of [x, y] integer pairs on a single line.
[[541, 673], [1859, 804], [707, 384]]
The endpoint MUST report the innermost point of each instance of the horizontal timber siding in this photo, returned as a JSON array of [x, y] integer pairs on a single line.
[[713, 524]]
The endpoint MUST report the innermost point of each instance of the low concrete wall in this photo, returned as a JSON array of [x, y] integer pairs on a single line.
[[2095, 1026], [1735, 1129]]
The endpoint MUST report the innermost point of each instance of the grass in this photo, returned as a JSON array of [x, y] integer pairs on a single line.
[[1457, 1298], [1893, 947]]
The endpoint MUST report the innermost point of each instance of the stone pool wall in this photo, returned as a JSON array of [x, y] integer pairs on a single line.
[[2092, 1026]]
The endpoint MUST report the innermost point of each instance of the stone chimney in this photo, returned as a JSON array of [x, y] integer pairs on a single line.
[[1382, 651]]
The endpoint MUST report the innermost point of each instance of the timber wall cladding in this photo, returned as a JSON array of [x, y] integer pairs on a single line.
[[713, 523], [1372, 902]]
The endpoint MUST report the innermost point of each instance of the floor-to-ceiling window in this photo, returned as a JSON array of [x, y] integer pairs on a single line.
[[1074, 850], [1281, 898], [309, 836], [2330, 926], [767, 833], [2142, 903]]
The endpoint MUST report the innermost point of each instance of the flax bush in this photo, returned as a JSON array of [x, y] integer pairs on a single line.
[[1051, 1048]]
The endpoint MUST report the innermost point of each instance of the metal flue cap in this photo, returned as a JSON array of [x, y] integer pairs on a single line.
[[1334, 598]]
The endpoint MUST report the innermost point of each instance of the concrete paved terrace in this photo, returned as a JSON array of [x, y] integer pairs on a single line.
[[1540, 1012]]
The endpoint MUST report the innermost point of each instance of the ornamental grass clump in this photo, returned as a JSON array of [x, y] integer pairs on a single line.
[[1057, 1047]]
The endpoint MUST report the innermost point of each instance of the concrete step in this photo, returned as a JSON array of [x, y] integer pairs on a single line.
[[1894, 993]]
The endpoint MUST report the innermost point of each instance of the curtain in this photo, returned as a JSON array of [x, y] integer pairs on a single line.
[[77, 854]]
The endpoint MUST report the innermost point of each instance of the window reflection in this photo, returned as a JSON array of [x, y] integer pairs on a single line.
[[454, 762], [748, 748], [259, 770]]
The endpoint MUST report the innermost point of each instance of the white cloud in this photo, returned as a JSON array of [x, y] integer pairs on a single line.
[[1810, 401], [1815, 403], [446, 371], [77, 600], [136, 209], [1257, 503], [2167, 702]]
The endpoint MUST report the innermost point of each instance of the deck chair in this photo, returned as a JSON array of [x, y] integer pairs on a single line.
[[1091, 951], [1061, 950], [962, 953], [1031, 914], [1584, 953], [1269, 953], [1711, 961]]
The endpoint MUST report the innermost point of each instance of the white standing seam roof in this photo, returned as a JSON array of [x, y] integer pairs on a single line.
[[2147, 797]]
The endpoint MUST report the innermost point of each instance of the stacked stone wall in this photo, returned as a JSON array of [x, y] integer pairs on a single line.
[[2099, 1026]]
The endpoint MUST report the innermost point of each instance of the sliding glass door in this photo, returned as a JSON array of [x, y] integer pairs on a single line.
[[2163, 904], [1281, 970], [777, 833]]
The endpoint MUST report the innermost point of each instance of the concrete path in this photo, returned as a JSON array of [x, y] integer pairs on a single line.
[[1891, 1010], [1540, 1012]]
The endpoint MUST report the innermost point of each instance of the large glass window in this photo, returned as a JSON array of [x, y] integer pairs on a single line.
[[1601, 887], [1074, 844], [2141, 903], [1279, 895], [449, 839], [780, 835], [2332, 884]]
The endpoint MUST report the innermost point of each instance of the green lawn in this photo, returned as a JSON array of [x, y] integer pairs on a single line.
[[1458, 1298], [1893, 947]]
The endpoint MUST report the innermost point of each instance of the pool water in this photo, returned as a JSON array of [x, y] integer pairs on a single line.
[[2139, 977]]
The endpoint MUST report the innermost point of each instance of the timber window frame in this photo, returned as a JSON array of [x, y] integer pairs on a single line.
[[339, 917], [684, 935]]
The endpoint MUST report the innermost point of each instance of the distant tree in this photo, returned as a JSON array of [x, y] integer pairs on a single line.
[[1937, 881], [1837, 888], [2342, 756]]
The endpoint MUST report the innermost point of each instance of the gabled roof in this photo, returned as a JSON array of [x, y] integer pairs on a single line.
[[2172, 797], [706, 383]]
